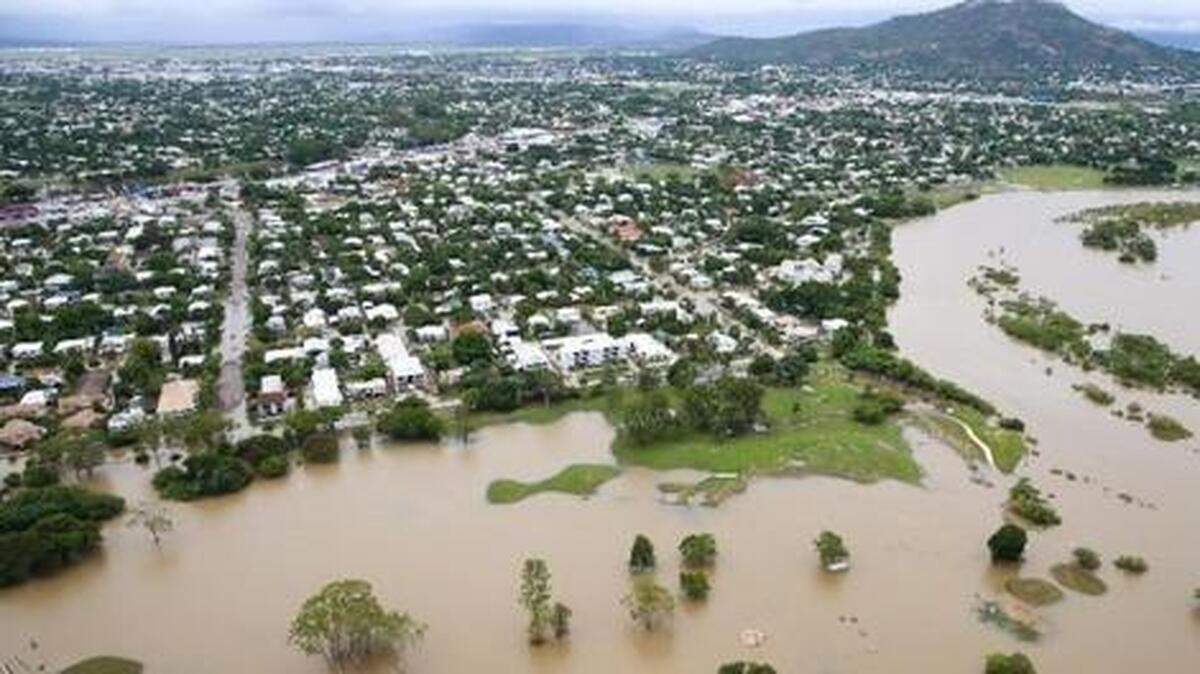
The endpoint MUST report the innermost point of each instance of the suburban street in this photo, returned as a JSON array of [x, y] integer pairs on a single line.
[[231, 388]]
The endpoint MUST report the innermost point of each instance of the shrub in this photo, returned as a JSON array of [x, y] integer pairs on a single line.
[[698, 550], [272, 467], [694, 585], [1027, 502], [320, 448], [1007, 544], [874, 408], [831, 549], [411, 420], [1017, 663], [203, 475], [1087, 558], [1131, 564], [259, 447], [641, 556]]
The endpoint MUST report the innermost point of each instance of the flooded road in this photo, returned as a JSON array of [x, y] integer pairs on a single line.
[[413, 520]]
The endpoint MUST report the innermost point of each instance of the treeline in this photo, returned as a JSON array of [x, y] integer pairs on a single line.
[[856, 352]]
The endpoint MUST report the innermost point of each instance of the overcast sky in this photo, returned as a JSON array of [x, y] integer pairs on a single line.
[[243, 20]]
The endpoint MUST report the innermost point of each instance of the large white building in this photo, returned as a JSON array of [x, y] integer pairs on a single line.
[[404, 370], [326, 390], [583, 351]]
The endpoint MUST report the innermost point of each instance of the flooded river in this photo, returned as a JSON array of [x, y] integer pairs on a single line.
[[219, 594]]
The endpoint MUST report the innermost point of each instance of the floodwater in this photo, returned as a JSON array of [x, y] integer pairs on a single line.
[[413, 520]]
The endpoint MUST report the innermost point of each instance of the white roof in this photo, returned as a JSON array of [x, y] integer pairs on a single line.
[[326, 392]]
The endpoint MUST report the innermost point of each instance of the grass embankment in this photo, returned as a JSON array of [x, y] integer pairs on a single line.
[[1054, 177], [1008, 446], [810, 431], [105, 664], [1034, 591], [579, 480]]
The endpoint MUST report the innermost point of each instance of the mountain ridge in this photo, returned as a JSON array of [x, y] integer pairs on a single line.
[[974, 37]]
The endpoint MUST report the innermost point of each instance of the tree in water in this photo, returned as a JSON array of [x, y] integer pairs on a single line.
[[1016, 663], [346, 624], [535, 597], [1007, 544], [641, 556], [832, 551], [560, 620], [649, 604], [154, 518]]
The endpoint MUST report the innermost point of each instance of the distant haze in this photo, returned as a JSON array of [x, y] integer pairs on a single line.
[[231, 21]]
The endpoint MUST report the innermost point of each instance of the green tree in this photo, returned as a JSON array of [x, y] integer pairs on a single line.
[[410, 420], [694, 585], [346, 624], [832, 550], [471, 348], [641, 555], [1087, 558], [649, 604], [1007, 544], [142, 371], [535, 597], [560, 620], [1016, 663], [698, 550], [647, 418]]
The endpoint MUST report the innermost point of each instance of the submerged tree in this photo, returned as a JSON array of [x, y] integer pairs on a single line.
[[649, 604], [560, 620], [1016, 663], [346, 624], [832, 551], [698, 550], [1007, 544], [641, 556], [535, 597], [152, 517]]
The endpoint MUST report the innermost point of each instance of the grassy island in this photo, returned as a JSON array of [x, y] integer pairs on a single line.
[[579, 480]]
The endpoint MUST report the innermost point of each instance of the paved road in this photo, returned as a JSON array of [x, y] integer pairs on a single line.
[[231, 389]]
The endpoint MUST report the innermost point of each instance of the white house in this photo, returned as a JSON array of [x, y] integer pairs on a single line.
[[326, 391], [404, 370], [583, 351]]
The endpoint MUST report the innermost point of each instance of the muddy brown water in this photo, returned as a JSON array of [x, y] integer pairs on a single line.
[[218, 595]]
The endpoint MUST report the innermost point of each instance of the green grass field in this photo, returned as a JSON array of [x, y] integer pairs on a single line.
[[1055, 177], [579, 480], [810, 431]]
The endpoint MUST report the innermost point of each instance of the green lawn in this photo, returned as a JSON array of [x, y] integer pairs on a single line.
[[580, 480], [1055, 177], [810, 431]]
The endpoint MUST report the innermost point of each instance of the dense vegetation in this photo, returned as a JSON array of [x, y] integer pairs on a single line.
[[43, 530]]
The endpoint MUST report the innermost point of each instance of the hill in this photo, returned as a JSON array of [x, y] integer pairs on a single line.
[[972, 38]]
